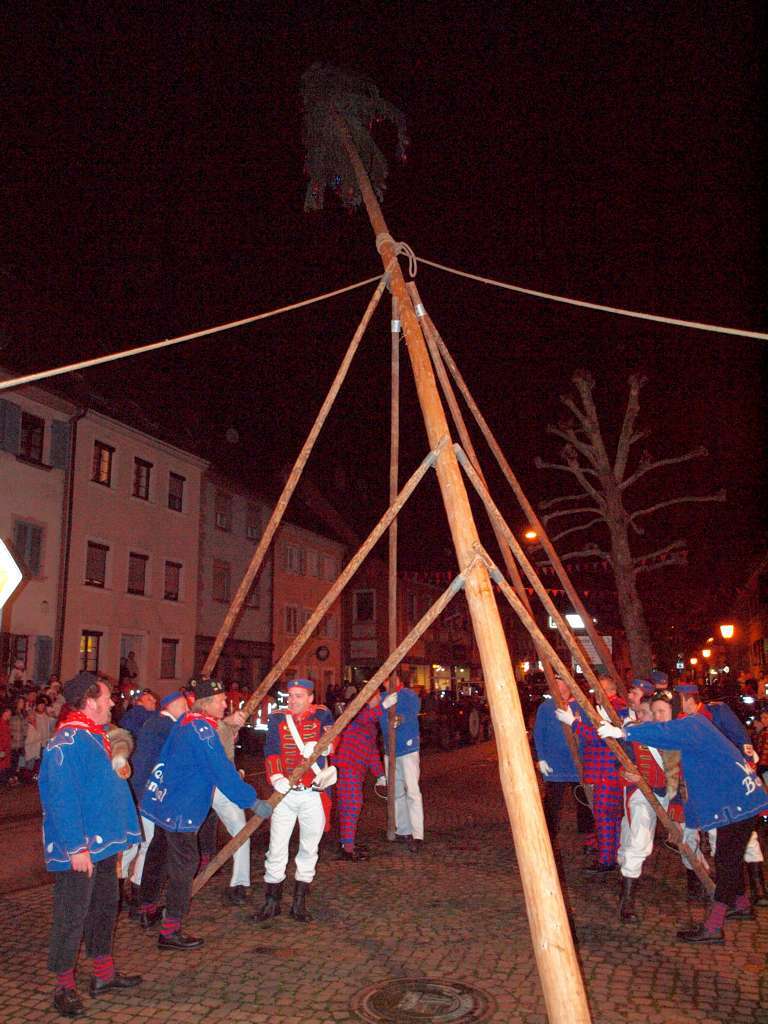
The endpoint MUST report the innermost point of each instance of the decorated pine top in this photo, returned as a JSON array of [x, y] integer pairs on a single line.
[[326, 90]]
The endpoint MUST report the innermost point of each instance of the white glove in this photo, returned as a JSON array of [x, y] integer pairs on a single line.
[[607, 731], [544, 768], [565, 715], [381, 781], [326, 777], [389, 700], [308, 748], [750, 752], [280, 784], [121, 767]]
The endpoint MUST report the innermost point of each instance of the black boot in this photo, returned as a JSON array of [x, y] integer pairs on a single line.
[[695, 892], [627, 913], [299, 910], [273, 894], [757, 885]]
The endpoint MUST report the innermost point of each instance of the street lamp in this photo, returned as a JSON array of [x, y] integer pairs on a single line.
[[726, 631], [531, 535], [705, 652]]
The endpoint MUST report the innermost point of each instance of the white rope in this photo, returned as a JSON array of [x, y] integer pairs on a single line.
[[760, 335], [153, 346], [401, 249]]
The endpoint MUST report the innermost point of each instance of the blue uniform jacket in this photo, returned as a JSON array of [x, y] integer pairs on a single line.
[[729, 723], [146, 754], [551, 744], [407, 733], [722, 786], [135, 718], [86, 806], [192, 763]]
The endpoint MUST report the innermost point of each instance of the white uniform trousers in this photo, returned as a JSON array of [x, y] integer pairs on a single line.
[[304, 806], [409, 806], [752, 855], [132, 861], [638, 827], [232, 818]]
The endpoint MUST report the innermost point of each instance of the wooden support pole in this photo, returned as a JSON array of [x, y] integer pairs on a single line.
[[535, 522], [431, 335], [673, 829], [553, 946], [262, 547], [344, 577], [394, 469], [349, 712]]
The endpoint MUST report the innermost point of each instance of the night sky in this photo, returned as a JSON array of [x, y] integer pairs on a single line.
[[153, 185]]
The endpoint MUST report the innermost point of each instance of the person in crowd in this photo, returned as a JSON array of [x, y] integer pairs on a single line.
[[601, 771], [88, 819], [18, 724], [142, 709], [554, 757], [357, 753], [723, 792], [409, 804], [146, 755], [177, 798], [291, 737], [6, 758], [232, 818]]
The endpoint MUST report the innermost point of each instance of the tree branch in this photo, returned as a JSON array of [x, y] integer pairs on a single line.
[[586, 553], [647, 464], [674, 546], [569, 436], [628, 426], [539, 463], [570, 512], [686, 498], [576, 529], [564, 497], [676, 558]]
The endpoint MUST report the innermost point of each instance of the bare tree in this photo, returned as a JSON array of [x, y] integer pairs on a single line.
[[601, 502]]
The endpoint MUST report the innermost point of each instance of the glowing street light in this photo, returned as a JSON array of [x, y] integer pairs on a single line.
[[726, 631], [694, 661], [705, 652], [531, 535]]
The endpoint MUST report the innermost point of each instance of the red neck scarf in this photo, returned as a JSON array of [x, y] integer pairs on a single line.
[[192, 716], [74, 719]]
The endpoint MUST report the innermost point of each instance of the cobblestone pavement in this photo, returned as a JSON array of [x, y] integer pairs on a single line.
[[453, 913]]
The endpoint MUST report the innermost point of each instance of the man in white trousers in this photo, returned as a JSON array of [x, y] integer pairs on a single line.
[[409, 806]]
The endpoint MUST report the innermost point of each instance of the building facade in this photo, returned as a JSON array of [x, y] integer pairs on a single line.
[[305, 565], [131, 555], [35, 429], [231, 524]]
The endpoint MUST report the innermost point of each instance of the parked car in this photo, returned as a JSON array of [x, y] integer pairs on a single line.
[[448, 720]]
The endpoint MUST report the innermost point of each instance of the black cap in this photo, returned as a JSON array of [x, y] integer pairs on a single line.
[[77, 687], [204, 688]]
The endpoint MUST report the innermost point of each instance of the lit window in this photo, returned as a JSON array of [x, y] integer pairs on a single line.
[[101, 470], [90, 645], [141, 474], [96, 564]]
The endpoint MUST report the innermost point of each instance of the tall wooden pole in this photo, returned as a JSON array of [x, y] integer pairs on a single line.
[[558, 966], [573, 595], [431, 334], [394, 468]]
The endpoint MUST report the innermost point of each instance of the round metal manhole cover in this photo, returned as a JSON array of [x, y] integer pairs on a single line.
[[419, 1000]]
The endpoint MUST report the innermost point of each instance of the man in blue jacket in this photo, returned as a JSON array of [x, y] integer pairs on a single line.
[[723, 793], [177, 798], [409, 807], [88, 819], [554, 758]]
